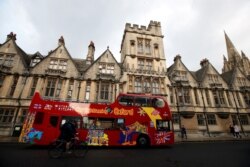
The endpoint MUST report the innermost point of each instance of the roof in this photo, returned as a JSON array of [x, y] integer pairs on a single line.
[[36, 54], [228, 76], [200, 74], [24, 56], [107, 50], [81, 64], [174, 66]]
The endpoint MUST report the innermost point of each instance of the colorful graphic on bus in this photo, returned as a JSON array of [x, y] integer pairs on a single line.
[[131, 119]]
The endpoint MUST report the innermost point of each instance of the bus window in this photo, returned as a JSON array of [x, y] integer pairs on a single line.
[[53, 121], [163, 125], [85, 122], [120, 123], [89, 123], [126, 100], [98, 123], [105, 123], [158, 103], [39, 118], [141, 101], [76, 119]]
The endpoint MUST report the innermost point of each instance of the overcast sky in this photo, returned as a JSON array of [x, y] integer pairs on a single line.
[[192, 28]]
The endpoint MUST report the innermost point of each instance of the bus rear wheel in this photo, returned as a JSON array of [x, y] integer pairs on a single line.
[[143, 141]]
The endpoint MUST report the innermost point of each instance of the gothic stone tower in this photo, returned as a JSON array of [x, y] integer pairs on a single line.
[[235, 59], [143, 60]]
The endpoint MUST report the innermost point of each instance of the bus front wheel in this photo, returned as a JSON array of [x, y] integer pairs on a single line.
[[143, 141]]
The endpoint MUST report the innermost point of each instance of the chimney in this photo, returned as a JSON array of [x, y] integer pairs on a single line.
[[61, 41], [92, 44], [177, 57], [11, 36], [91, 52], [204, 62]]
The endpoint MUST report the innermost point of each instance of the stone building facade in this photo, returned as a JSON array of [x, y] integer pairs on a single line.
[[56, 76], [143, 60], [205, 101]]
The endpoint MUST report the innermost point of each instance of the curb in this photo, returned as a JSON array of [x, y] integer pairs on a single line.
[[14, 140]]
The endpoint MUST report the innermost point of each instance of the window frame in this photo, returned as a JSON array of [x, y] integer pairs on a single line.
[[163, 125], [211, 119], [7, 115], [128, 100], [201, 119], [244, 119], [104, 93], [175, 118], [100, 123]]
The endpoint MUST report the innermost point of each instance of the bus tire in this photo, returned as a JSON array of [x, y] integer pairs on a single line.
[[143, 141]]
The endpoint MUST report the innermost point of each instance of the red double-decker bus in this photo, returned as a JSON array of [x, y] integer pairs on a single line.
[[131, 119]]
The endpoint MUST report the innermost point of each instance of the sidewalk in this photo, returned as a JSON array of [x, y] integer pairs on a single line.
[[8, 139], [211, 138], [191, 138]]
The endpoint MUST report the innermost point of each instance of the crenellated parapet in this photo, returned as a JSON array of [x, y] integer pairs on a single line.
[[154, 28]]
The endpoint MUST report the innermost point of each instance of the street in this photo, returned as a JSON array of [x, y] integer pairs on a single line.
[[189, 154]]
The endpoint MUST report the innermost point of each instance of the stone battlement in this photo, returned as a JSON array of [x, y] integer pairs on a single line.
[[154, 27]]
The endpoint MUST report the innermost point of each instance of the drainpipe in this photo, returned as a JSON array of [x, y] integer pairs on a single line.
[[26, 74], [115, 92], [237, 112], [79, 89], [205, 112], [177, 104]]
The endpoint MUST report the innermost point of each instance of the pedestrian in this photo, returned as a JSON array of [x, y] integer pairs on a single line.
[[231, 127], [237, 131], [183, 132]]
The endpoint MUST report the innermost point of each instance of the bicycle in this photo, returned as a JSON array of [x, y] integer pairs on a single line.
[[58, 148]]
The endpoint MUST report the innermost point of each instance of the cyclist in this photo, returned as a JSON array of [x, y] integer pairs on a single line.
[[68, 131]]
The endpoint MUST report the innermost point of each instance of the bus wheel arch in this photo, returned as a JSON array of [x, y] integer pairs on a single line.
[[143, 140]]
